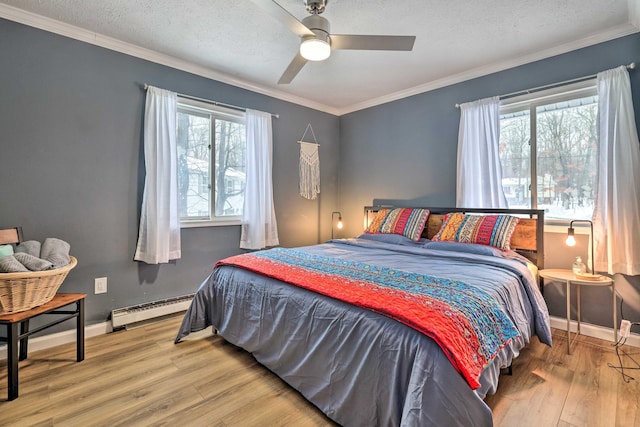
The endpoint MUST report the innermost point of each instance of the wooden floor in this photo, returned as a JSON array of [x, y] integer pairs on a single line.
[[139, 377]]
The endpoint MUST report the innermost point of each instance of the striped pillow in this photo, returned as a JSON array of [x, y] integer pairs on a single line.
[[408, 222], [490, 230]]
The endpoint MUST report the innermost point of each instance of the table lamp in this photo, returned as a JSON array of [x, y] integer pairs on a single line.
[[571, 241], [339, 224]]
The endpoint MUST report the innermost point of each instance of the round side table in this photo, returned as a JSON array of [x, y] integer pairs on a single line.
[[568, 277]]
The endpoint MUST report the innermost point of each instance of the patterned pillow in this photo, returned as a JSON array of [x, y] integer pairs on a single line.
[[408, 222], [490, 230]]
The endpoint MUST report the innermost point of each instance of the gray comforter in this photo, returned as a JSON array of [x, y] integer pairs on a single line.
[[359, 367]]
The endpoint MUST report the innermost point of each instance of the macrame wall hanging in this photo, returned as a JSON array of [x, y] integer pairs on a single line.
[[309, 169]]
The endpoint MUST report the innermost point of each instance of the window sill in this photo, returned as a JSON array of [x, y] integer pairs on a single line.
[[199, 224]]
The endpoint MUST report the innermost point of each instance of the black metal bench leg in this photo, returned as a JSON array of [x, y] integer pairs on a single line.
[[24, 342], [80, 331], [12, 362]]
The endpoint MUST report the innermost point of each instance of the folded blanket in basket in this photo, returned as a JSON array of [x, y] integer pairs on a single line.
[[31, 247], [33, 263], [9, 264], [6, 250], [56, 251]]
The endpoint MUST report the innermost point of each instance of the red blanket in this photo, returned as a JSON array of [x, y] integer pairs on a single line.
[[465, 322]]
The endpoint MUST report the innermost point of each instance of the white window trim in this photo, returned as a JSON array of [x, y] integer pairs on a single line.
[[208, 223], [535, 99], [216, 112], [558, 94]]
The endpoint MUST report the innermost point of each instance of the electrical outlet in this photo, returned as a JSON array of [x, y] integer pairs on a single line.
[[100, 285], [625, 328]]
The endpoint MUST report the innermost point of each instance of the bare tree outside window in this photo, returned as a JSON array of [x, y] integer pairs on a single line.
[[566, 147], [515, 156], [194, 142], [230, 167], [210, 185]]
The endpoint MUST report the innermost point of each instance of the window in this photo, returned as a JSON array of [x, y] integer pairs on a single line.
[[550, 143], [211, 163]]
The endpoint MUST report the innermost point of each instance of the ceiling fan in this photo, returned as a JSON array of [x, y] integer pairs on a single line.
[[317, 41]]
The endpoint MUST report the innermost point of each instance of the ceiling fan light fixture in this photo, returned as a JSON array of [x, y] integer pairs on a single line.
[[317, 42], [315, 49]]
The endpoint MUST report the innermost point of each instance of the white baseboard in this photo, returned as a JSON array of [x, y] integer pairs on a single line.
[[593, 331], [64, 337]]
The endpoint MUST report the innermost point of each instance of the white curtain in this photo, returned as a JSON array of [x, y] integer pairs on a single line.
[[479, 178], [259, 228], [616, 214], [159, 234]]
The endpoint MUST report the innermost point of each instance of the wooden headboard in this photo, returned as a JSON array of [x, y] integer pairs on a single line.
[[527, 239]]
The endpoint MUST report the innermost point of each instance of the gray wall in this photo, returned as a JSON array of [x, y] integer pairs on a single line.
[[404, 152], [72, 164]]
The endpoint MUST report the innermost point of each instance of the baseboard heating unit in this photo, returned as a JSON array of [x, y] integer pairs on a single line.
[[128, 316]]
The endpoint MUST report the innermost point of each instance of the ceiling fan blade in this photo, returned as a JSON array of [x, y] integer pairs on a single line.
[[278, 12], [292, 70], [358, 42]]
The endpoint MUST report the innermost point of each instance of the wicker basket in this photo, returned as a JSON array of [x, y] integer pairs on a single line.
[[24, 291]]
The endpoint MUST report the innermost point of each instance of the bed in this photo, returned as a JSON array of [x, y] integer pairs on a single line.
[[375, 360]]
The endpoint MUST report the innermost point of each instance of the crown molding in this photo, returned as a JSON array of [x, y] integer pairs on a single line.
[[71, 31], [613, 33], [634, 13], [67, 30]]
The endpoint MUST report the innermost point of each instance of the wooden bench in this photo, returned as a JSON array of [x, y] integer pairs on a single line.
[[20, 338]]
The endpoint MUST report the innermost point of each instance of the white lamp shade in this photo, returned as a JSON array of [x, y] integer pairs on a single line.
[[314, 49]]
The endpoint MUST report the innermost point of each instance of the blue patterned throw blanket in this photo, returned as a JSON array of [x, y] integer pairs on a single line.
[[466, 322]]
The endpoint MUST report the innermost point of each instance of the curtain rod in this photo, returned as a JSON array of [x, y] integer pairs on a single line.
[[551, 85], [208, 101]]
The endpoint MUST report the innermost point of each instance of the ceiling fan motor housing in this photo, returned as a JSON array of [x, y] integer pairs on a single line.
[[319, 26]]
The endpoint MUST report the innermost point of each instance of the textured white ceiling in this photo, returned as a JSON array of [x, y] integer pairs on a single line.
[[455, 39]]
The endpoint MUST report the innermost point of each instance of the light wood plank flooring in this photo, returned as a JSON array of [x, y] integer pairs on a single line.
[[140, 378]]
